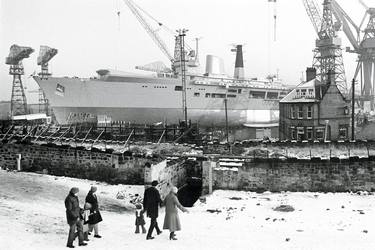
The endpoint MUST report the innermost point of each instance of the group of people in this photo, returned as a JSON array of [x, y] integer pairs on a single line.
[[83, 221], [151, 204]]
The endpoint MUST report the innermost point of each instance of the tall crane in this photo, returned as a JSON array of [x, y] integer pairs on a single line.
[[191, 57], [364, 46], [17, 53], [328, 53], [45, 55]]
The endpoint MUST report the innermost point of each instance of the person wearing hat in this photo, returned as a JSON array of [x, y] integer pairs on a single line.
[[151, 203], [95, 216], [73, 218], [171, 219]]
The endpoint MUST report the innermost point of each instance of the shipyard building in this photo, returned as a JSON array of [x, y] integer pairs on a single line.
[[314, 111]]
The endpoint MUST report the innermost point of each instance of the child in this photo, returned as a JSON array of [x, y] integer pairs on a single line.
[[139, 219], [85, 218]]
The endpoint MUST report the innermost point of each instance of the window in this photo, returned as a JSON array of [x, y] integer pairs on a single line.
[[346, 110], [231, 96], [292, 114], [257, 94], [343, 131], [303, 92], [309, 133], [300, 133], [319, 133], [309, 112], [300, 112], [196, 94], [232, 90], [239, 91], [272, 95], [298, 93], [178, 88], [208, 95], [293, 134], [218, 95], [311, 92]]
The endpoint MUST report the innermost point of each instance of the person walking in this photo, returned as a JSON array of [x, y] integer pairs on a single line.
[[171, 219], [139, 219], [73, 218], [151, 203], [95, 216]]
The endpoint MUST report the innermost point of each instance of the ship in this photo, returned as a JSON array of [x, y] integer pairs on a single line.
[[115, 96], [169, 96]]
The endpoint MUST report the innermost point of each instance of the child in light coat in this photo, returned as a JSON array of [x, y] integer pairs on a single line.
[[139, 219], [85, 218]]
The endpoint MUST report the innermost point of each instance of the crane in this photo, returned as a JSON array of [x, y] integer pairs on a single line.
[[363, 46], [192, 57], [18, 100], [328, 53], [136, 10], [45, 55], [314, 14]]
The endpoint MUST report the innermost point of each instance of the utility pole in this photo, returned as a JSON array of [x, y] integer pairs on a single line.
[[353, 94], [226, 119], [181, 35]]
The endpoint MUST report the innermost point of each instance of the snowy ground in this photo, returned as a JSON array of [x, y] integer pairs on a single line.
[[32, 216]]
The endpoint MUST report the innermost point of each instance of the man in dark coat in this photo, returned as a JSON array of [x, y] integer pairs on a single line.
[[73, 218], [95, 216], [151, 203]]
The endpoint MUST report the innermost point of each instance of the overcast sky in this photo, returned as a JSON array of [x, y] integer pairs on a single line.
[[89, 35]]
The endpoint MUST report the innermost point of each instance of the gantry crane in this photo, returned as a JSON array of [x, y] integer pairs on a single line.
[[364, 46], [17, 53], [328, 52]]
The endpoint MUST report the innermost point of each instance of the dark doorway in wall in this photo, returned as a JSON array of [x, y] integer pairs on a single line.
[[190, 192]]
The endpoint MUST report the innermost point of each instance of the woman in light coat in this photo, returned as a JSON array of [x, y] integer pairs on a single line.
[[171, 220]]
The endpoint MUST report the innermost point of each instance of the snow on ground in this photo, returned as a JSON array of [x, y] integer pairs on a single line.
[[32, 216]]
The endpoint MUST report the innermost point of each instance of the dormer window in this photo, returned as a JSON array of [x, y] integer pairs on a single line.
[[303, 92]]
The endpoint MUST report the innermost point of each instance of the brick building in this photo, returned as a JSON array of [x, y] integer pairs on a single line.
[[314, 111]]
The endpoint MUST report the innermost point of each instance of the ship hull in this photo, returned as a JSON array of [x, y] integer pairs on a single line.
[[148, 101]]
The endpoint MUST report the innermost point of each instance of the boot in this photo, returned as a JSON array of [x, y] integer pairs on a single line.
[[172, 236]]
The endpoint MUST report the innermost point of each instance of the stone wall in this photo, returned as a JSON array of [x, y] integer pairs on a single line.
[[167, 173], [31, 153], [277, 175]]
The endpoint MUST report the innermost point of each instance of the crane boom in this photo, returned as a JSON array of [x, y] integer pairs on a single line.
[[153, 34], [344, 18], [314, 13]]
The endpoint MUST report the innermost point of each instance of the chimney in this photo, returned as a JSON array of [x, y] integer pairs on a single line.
[[238, 68], [310, 74]]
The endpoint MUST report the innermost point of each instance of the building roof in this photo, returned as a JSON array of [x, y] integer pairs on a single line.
[[305, 92]]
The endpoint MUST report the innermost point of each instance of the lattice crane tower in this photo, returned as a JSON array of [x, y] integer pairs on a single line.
[[328, 52], [45, 55], [18, 100]]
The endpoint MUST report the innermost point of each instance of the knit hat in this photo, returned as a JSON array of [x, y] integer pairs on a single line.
[[138, 206], [154, 183], [74, 190], [93, 189], [174, 190]]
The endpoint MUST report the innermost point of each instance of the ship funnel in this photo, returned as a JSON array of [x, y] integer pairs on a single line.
[[214, 65], [238, 68]]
